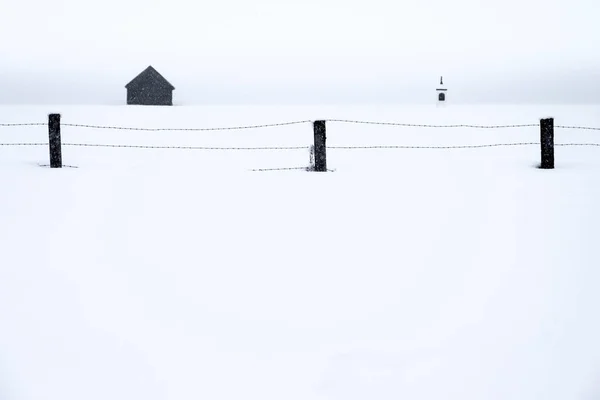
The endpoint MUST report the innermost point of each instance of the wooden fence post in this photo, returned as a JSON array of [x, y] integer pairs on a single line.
[[54, 141], [547, 142], [320, 147]]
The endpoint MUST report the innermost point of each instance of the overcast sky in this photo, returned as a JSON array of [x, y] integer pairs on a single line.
[[302, 51]]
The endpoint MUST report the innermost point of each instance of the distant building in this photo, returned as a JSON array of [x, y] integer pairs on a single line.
[[441, 91], [150, 89]]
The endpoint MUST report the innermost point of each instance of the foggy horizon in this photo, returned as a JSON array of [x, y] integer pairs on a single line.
[[331, 52]]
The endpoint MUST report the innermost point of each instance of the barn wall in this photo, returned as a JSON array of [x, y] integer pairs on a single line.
[[154, 97]]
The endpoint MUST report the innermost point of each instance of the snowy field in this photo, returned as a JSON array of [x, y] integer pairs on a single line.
[[465, 274]]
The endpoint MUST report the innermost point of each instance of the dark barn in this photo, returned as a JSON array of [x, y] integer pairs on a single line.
[[150, 89]]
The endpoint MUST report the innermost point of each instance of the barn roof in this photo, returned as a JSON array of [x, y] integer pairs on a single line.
[[150, 74]]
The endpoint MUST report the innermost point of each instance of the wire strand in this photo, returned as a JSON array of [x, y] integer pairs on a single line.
[[184, 147], [476, 146], [432, 126], [577, 127], [25, 124], [23, 144], [187, 129], [279, 169]]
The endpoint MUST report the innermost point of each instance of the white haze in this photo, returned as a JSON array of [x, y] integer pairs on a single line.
[[326, 51]]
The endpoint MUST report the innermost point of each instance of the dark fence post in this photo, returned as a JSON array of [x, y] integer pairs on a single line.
[[547, 142], [320, 147], [54, 141]]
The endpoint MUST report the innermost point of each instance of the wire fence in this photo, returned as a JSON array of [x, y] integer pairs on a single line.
[[278, 124], [24, 124], [133, 146], [299, 122], [23, 144], [127, 146], [349, 121], [476, 146], [226, 128], [280, 169], [577, 127]]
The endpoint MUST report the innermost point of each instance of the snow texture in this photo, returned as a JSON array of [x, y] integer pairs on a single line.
[[405, 274]]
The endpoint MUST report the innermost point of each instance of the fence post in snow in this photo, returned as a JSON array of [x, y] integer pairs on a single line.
[[54, 141], [320, 147], [547, 142]]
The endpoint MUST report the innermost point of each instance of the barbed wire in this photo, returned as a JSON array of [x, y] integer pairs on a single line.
[[184, 147], [577, 144], [23, 144], [25, 124], [299, 122], [62, 166], [577, 127], [279, 169], [230, 128], [476, 146], [432, 126], [308, 169]]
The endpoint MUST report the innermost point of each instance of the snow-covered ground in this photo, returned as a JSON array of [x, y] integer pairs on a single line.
[[403, 274]]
